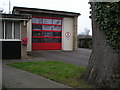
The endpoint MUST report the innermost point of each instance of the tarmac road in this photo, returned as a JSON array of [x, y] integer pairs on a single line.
[[79, 57]]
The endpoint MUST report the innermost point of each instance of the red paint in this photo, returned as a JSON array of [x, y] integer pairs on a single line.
[[47, 46], [46, 24], [47, 30]]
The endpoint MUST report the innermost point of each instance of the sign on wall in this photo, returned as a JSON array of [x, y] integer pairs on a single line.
[[68, 34]]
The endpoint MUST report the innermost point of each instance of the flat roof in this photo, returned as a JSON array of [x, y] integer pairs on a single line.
[[44, 11], [15, 17]]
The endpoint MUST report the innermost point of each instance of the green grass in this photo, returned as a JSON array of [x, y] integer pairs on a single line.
[[61, 72], [2, 88]]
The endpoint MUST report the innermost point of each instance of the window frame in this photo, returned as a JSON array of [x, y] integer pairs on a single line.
[[13, 31]]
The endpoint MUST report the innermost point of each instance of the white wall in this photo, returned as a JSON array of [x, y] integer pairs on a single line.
[[67, 26], [29, 35]]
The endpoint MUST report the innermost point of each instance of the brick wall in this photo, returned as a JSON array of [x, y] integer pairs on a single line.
[[75, 33], [23, 34]]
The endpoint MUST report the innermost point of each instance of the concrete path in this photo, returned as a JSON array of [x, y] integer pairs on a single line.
[[16, 78], [0, 74]]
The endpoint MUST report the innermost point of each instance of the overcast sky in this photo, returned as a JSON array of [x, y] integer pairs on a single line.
[[79, 6]]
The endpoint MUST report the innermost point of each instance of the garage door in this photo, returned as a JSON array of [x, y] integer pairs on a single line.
[[46, 33]]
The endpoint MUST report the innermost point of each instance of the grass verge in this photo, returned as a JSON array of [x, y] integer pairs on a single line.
[[3, 88], [61, 72]]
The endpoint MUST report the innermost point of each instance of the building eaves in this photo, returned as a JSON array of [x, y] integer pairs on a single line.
[[44, 11], [15, 17]]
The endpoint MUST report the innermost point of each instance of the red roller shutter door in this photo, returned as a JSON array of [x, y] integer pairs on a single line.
[[46, 33]]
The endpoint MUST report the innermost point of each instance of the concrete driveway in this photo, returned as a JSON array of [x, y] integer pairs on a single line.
[[79, 57]]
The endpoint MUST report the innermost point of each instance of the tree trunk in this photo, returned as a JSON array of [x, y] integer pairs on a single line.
[[103, 70]]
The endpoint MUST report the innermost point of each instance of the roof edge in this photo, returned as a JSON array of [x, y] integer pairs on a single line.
[[47, 10]]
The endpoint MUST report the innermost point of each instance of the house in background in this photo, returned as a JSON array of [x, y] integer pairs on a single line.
[[41, 29]]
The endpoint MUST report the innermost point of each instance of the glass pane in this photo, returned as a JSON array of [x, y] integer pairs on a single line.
[[37, 20], [36, 27], [57, 22], [37, 33], [57, 34], [36, 40], [8, 30], [57, 28], [47, 40], [56, 40], [17, 30], [47, 21], [48, 33], [47, 27], [1, 30]]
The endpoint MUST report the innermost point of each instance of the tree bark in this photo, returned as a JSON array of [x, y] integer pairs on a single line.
[[103, 70]]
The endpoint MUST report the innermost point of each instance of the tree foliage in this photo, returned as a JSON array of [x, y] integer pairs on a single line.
[[108, 17]]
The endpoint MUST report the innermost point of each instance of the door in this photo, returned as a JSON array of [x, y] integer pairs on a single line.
[[46, 33]]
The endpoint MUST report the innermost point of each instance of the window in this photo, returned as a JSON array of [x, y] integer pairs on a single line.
[[57, 22], [47, 21], [47, 40], [37, 33], [43, 23], [17, 30], [10, 30], [57, 34], [57, 28], [47, 27], [56, 40], [48, 33], [1, 30], [36, 40], [36, 27], [37, 20]]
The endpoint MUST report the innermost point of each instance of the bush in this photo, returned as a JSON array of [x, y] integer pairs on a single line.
[[85, 43]]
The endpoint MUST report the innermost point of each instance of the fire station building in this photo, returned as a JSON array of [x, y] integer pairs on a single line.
[[45, 29]]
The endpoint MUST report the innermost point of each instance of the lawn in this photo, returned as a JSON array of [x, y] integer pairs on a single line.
[[3, 88], [61, 72]]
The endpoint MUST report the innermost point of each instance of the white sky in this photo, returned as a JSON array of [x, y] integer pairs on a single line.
[[79, 6]]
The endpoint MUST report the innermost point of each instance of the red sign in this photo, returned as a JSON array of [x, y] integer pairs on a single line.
[[24, 40], [68, 34]]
